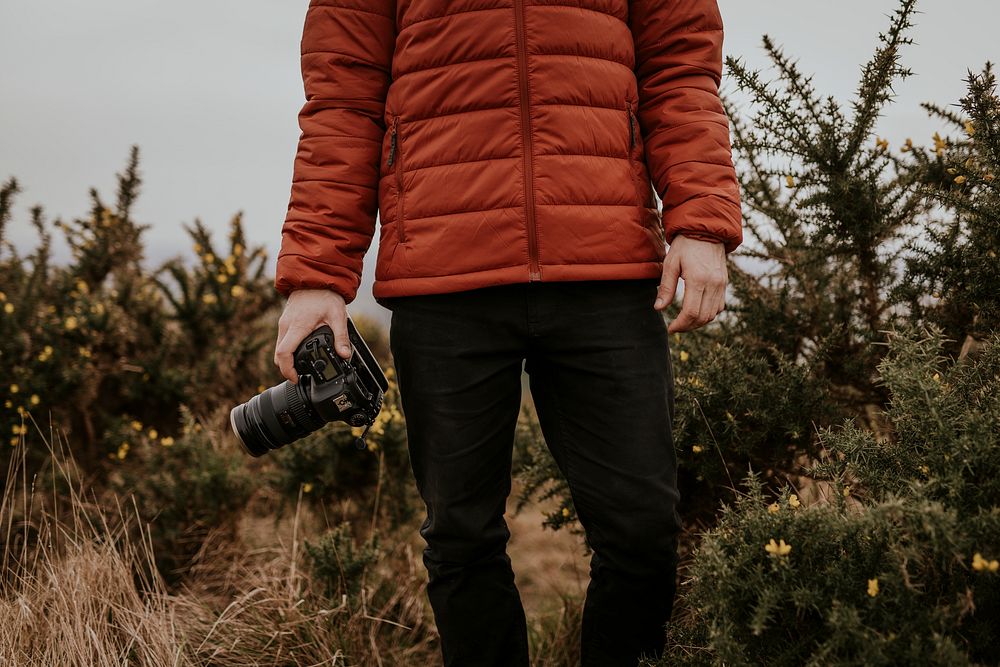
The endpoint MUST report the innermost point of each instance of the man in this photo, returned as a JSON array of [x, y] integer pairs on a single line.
[[511, 149]]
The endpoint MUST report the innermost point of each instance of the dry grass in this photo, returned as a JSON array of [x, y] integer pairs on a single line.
[[78, 587]]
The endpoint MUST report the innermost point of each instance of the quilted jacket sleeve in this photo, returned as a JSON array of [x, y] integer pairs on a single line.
[[678, 46], [346, 49]]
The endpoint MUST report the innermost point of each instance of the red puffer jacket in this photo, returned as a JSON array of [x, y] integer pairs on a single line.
[[505, 141]]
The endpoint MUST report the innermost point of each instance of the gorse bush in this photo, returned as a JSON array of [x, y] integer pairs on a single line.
[[340, 562], [103, 337], [186, 488], [894, 559], [899, 565], [956, 262], [140, 367]]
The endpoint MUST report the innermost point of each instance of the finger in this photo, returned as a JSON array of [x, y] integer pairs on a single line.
[[690, 307], [709, 305], [668, 285], [341, 340], [286, 348]]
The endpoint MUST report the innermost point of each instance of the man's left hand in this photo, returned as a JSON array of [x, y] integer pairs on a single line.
[[702, 265]]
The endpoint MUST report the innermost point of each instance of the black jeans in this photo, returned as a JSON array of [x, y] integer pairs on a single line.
[[600, 376]]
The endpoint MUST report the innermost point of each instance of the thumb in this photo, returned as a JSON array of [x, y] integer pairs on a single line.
[[668, 285]]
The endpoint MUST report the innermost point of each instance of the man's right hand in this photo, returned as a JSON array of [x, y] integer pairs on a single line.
[[306, 310]]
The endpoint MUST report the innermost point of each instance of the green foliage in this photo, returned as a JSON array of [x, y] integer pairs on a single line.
[[889, 585], [898, 559], [340, 562], [103, 336], [141, 366], [955, 262], [919, 512], [186, 488], [825, 205], [945, 441]]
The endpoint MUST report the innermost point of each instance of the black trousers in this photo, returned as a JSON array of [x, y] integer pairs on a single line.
[[600, 376]]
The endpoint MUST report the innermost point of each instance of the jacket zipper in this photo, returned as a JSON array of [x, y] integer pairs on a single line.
[[398, 160], [534, 271]]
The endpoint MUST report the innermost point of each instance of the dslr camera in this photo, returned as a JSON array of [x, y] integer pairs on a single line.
[[330, 388]]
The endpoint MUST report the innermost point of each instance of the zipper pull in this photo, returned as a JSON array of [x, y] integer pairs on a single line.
[[392, 141]]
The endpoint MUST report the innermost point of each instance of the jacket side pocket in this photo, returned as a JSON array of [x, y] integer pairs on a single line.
[[636, 166], [396, 160]]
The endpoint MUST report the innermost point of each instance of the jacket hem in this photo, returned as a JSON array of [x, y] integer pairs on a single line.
[[387, 288]]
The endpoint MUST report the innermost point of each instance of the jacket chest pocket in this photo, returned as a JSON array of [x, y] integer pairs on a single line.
[[395, 163]]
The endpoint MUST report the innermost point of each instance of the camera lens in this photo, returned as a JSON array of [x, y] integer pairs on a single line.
[[274, 418]]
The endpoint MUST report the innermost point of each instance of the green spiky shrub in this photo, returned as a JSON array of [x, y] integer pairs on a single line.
[[908, 498], [122, 357], [898, 564], [103, 336]]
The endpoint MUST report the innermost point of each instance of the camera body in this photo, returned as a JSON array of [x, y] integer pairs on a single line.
[[330, 388]]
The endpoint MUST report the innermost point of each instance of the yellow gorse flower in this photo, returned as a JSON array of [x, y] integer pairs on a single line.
[[684, 356], [908, 146], [939, 144], [882, 143], [237, 291], [71, 323], [793, 500], [790, 181], [959, 180], [981, 564], [774, 508], [777, 548], [873, 587], [697, 449], [970, 128], [307, 487], [35, 400], [8, 308], [565, 512], [167, 441], [14, 389]]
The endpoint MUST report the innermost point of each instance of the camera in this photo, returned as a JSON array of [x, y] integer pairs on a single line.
[[330, 388]]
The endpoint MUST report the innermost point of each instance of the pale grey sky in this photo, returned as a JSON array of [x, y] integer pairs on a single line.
[[210, 89]]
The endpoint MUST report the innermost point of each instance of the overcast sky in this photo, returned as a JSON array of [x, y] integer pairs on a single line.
[[210, 90]]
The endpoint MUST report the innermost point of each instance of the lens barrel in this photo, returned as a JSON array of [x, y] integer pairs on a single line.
[[274, 418]]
